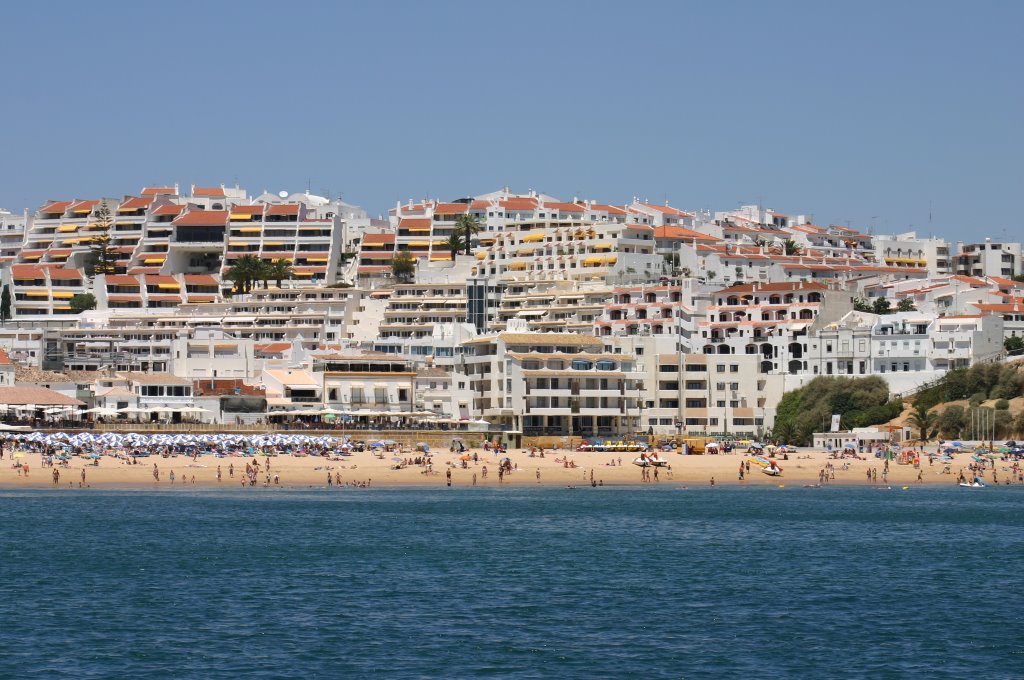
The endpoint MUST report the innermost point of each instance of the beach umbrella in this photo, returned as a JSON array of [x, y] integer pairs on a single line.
[[396, 459]]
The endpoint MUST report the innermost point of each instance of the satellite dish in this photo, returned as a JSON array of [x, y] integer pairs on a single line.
[[282, 194]]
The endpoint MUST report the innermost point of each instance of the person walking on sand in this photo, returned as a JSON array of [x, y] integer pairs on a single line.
[[330, 479], [171, 476], [56, 476]]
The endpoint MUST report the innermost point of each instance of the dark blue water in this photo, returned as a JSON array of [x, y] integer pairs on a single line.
[[539, 583]]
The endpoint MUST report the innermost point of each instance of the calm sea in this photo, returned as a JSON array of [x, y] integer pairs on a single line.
[[538, 583]]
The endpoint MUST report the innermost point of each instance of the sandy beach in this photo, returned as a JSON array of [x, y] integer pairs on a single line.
[[802, 468]]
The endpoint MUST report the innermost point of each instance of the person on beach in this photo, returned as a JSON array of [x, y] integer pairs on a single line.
[[83, 475], [231, 470], [712, 481], [56, 476], [171, 476], [330, 479], [448, 475], [538, 475], [337, 479], [218, 473]]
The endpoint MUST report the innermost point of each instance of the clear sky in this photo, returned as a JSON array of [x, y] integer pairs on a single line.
[[866, 113]]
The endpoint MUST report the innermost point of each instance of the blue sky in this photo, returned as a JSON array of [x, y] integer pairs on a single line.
[[865, 113]]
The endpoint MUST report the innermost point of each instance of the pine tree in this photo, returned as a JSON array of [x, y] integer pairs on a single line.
[[5, 305], [101, 258]]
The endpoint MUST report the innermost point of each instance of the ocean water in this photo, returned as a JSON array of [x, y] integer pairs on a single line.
[[535, 583]]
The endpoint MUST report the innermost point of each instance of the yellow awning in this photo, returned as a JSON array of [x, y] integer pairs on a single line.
[[313, 227], [419, 230], [487, 240], [533, 238], [63, 308], [441, 256], [62, 295], [239, 217], [238, 243], [481, 255], [419, 244], [82, 211], [602, 247], [117, 235], [67, 228], [126, 224], [37, 293], [517, 266], [303, 273], [250, 230], [610, 260], [593, 261], [154, 260], [169, 286], [317, 259], [32, 257], [273, 243], [525, 251]]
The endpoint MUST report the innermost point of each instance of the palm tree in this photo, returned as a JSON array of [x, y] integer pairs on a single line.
[[468, 226], [280, 270], [454, 243], [246, 271], [791, 247], [922, 420]]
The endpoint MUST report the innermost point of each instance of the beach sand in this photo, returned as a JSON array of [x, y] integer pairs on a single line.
[[691, 471]]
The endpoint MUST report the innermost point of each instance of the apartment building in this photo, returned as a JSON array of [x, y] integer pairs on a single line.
[[556, 384], [990, 258]]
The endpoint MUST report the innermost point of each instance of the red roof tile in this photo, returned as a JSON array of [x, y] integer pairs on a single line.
[[518, 203], [273, 347], [158, 191], [208, 192], [610, 209], [284, 209], [55, 207], [411, 222], [157, 279], [170, 209], [121, 280], [681, 233], [378, 238], [202, 218], [135, 203], [450, 208], [5, 360], [25, 271], [564, 207], [201, 280], [668, 210], [65, 274], [247, 209]]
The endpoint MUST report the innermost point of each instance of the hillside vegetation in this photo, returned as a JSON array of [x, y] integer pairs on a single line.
[[860, 401], [945, 409]]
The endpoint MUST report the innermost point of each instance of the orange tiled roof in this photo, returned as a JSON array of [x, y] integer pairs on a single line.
[[135, 203], [202, 218], [159, 191], [208, 192], [450, 208]]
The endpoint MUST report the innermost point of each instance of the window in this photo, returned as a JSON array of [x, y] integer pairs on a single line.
[[734, 368], [720, 368], [720, 403], [734, 386]]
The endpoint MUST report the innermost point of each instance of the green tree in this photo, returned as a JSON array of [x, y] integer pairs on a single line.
[[101, 258], [5, 305], [1014, 343], [279, 270], [403, 266], [923, 421], [905, 305], [951, 421], [1018, 424], [81, 302], [859, 401], [246, 271], [467, 226], [861, 305], [791, 247], [454, 243], [881, 306]]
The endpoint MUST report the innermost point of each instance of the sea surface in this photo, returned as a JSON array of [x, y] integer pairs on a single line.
[[513, 583]]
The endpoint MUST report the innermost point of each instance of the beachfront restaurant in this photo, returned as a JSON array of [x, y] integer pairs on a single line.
[[22, 405]]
